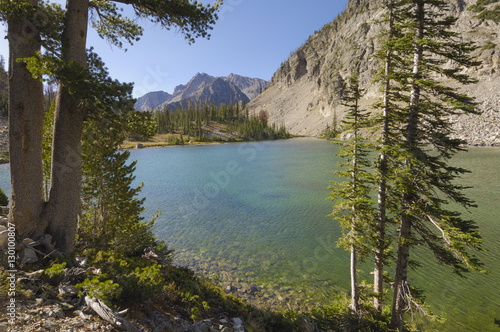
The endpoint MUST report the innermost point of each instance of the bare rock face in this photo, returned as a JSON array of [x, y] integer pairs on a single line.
[[204, 88], [304, 93]]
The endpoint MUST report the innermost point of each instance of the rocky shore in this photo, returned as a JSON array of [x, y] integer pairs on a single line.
[[34, 299], [266, 295], [42, 306], [59, 309]]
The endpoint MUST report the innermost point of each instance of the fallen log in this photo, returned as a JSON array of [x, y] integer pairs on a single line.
[[109, 315]]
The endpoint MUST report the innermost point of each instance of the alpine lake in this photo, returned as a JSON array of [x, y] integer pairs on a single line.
[[255, 216]]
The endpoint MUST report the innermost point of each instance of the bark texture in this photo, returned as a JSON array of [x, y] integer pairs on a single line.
[[64, 201], [25, 129]]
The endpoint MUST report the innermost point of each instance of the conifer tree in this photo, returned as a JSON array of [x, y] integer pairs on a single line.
[[353, 206], [111, 210], [426, 181], [386, 144]]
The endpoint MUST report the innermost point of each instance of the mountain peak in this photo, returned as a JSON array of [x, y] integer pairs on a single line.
[[201, 77], [252, 87], [203, 87], [152, 100]]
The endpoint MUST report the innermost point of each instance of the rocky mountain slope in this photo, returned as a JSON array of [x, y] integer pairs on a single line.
[[205, 89], [252, 87], [152, 100], [304, 93]]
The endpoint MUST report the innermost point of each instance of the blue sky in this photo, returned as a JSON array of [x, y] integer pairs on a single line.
[[251, 38]]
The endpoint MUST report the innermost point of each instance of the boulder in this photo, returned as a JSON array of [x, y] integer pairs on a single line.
[[27, 255]]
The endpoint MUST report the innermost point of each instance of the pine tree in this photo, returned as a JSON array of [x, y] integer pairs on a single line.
[[426, 182], [387, 143], [353, 206], [111, 210]]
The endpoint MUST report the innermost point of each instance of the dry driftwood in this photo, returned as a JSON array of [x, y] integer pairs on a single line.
[[46, 241], [109, 315]]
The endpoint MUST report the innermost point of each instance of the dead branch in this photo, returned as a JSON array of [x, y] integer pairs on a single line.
[[109, 315]]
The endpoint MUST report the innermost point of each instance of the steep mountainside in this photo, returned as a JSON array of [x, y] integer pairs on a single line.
[[219, 91], [252, 87], [304, 93], [152, 100], [205, 89]]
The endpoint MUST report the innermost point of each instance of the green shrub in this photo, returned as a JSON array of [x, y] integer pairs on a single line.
[[143, 283], [175, 139], [339, 317], [139, 279], [55, 273], [105, 291]]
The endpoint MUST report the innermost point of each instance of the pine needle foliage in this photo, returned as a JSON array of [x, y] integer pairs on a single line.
[[111, 208], [428, 58], [353, 206]]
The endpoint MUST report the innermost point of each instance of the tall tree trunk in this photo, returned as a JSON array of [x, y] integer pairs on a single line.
[[354, 254], [25, 129], [379, 256], [354, 175], [354, 280], [64, 202], [400, 282]]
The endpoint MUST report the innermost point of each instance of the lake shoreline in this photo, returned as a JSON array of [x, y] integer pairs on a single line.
[[130, 145]]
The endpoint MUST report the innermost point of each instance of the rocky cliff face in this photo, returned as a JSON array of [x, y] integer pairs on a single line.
[[304, 93], [152, 100], [251, 87], [204, 88], [217, 92]]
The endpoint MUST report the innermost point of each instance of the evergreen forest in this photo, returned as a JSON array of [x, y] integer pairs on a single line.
[[211, 123]]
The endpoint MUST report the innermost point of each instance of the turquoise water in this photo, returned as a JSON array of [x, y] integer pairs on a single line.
[[260, 208], [258, 212]]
